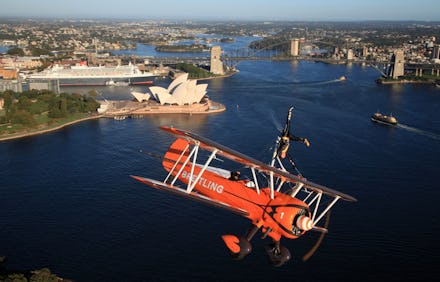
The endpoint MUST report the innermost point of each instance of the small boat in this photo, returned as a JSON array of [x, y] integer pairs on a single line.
[[119, 117], [117, 83], [380, 118]]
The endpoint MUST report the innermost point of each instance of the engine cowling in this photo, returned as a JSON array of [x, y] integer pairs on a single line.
[[294, 220]]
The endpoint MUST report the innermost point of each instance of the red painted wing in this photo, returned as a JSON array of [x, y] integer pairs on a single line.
[[231, 154], [193, 195]]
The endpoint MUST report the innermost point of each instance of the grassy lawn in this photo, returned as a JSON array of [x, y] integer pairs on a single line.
[[36, 111], [43, 123]]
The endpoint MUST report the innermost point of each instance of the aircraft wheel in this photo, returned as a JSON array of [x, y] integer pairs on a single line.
[[277, 255]]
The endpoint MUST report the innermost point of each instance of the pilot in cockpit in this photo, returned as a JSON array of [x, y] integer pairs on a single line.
[[235, 175]]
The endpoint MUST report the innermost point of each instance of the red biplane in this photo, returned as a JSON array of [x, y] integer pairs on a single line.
[[280, 203]]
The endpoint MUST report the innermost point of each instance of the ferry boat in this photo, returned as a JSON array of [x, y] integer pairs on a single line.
[[380, 118], [84, 75]]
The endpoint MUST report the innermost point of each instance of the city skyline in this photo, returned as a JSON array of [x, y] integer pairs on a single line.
[[275, 10]]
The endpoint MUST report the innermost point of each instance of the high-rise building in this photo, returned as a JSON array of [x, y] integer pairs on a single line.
[[435, 52], [350, 54], [216, 62], [294, 47], [364, 52]]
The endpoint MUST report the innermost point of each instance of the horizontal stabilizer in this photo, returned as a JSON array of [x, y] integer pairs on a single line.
[[193, 195]]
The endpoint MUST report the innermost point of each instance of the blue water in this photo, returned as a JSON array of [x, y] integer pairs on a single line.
[[149, 50], [68, 203]]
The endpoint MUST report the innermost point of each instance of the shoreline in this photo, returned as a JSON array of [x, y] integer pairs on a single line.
[[47, 130], [405, 81], [199, 110], [229, 74]]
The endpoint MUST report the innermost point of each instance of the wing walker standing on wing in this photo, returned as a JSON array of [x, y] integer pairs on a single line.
[[279, 203]]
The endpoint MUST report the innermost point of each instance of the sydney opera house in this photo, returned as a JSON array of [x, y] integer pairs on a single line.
[[182, 96], [181, 91]]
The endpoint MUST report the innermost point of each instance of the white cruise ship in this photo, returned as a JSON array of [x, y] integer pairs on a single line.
[[84, 75]]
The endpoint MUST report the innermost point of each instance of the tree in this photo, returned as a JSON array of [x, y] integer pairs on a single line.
[[38, 51], [194, 71], [24, 103], [93, 93], [15, 51], [24, 118], [58, 107]]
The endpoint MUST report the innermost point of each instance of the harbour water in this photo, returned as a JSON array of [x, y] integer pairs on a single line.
[[68, 203]]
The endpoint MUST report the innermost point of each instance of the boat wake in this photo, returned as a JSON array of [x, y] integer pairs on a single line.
[[311, 83], [329, 81], [317, 82], [419, 131]]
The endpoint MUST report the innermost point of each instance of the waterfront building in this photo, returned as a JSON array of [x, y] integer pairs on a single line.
[[350, 55], [9, 73], [13, 85], [181, 91], [20, 62]]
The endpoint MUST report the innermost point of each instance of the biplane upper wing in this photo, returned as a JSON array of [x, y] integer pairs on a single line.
[[194, 196], [231, 154]]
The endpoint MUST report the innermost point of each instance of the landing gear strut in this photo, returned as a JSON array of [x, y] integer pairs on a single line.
[[277, 254]]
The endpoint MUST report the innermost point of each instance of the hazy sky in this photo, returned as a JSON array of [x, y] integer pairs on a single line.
[[270, 10]]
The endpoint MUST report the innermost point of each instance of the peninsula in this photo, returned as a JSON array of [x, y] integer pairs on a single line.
[[193, 48], [40, 111]]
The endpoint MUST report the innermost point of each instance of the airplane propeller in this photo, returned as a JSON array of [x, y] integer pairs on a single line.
[[315, 247]]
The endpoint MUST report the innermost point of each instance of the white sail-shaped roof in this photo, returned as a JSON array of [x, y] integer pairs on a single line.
[[181, 78], [181, 91], [140, 97], [191, 91], [160, 94], [200, 92]]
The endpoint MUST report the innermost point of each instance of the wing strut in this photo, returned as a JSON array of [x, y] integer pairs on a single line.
[[326, 210], [255, 180], [191, 187], [175, 164], [183, 165]]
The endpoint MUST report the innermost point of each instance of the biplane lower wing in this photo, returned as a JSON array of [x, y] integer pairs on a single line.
[[194, 196], [231, 154]]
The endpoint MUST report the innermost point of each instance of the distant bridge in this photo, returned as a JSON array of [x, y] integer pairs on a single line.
[[278, 50], [231, 57]]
